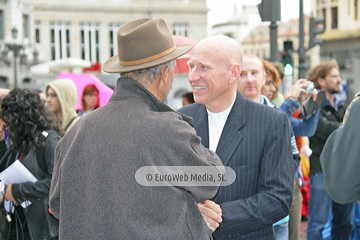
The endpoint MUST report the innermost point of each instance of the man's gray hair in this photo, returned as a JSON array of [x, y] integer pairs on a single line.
[[147, 75]]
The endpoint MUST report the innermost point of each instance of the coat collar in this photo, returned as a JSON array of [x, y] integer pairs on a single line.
[[129, 88]]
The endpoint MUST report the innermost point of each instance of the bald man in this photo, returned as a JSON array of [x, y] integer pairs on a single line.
[[251, 138]]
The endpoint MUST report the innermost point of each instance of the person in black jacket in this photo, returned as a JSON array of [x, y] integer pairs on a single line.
[[326, 77], [32, 137]]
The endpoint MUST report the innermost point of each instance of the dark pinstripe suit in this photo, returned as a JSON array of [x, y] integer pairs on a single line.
[[255, 143]]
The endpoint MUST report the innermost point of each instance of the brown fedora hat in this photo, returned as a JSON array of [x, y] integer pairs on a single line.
[[144, 43]]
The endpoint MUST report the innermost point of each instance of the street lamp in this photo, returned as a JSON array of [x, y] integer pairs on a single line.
[[15, 48]]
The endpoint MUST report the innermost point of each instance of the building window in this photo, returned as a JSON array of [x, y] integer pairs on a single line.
[[26, 27], [113, 29], [37, 31], [355, 9], [60, 39], [90, 41], [1, 25], [334, 17], [180, 29], [324, 15]]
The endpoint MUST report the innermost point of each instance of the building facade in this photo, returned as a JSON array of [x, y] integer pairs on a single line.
[[87, 29], [342, 38], [17, 50]]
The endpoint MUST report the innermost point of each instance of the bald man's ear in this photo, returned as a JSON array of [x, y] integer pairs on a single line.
[[235, 72]]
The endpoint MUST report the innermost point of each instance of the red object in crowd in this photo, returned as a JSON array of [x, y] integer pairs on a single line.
[[81, 81], [95, 67], [305, 191], [181, 62]]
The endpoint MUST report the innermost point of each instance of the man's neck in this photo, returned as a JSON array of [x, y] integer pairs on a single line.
[[221, 105], [256, 99], [330, 97]]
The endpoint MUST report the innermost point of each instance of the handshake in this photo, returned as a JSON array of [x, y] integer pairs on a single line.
[[212, 213]]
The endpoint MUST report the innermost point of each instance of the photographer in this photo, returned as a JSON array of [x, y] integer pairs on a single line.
[[306, 127], [326, 76]]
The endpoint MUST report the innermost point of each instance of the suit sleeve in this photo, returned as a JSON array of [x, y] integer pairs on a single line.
[[275, 186]]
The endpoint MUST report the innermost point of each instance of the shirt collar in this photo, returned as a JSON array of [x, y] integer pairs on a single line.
[[225, 112]]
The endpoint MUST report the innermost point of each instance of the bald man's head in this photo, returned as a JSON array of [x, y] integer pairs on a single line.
[[226, 46], [215, 67]]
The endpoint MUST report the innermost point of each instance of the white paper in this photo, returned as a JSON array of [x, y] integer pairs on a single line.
[[16, 173]]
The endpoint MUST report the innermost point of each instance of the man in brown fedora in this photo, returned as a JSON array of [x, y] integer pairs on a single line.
[[95, 190]]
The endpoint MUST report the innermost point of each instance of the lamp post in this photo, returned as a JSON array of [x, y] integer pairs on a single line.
[[15, 48]]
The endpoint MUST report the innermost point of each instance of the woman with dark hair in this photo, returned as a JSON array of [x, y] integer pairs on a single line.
[[33, 135], [90, 99]]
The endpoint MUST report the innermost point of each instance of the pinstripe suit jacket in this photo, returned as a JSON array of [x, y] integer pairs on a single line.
[[255, 143]]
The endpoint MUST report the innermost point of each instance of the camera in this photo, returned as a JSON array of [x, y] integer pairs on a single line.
[[308, 86]]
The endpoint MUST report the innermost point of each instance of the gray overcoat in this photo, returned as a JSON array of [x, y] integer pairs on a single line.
[[94, 192], [340, 160]]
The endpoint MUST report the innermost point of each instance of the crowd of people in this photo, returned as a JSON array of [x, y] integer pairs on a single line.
[[86, 161]]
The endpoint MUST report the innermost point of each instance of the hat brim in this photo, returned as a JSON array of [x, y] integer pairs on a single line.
[[112, 65]]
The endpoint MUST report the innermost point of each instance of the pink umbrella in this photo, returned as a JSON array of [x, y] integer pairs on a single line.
[[181, 62], [81, 81]]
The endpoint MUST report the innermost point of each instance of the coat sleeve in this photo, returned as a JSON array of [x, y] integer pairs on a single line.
[[340, 160], [187, 150], [274, 195], [40, 189], [305, 127], [325, 127], [54, 199]]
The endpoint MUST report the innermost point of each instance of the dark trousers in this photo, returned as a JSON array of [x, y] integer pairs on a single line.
[[320, 205]]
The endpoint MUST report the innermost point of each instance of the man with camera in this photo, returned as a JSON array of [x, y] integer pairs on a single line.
[[326, 76]]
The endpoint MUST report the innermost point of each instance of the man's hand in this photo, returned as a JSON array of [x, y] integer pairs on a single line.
[[298, 90], [212, 213]]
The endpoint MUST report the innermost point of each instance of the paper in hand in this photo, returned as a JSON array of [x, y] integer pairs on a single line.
[[16, 173]]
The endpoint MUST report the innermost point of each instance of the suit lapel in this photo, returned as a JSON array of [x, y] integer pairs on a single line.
[[231, 136], [200, 123]]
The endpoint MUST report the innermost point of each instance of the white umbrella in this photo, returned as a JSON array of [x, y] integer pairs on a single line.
[[58, 66]]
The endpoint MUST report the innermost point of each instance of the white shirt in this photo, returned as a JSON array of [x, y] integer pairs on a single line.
[[216, 124]]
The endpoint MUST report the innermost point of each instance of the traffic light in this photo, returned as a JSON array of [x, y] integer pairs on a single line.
[[314, 30], [269, 10], [287, 62]]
